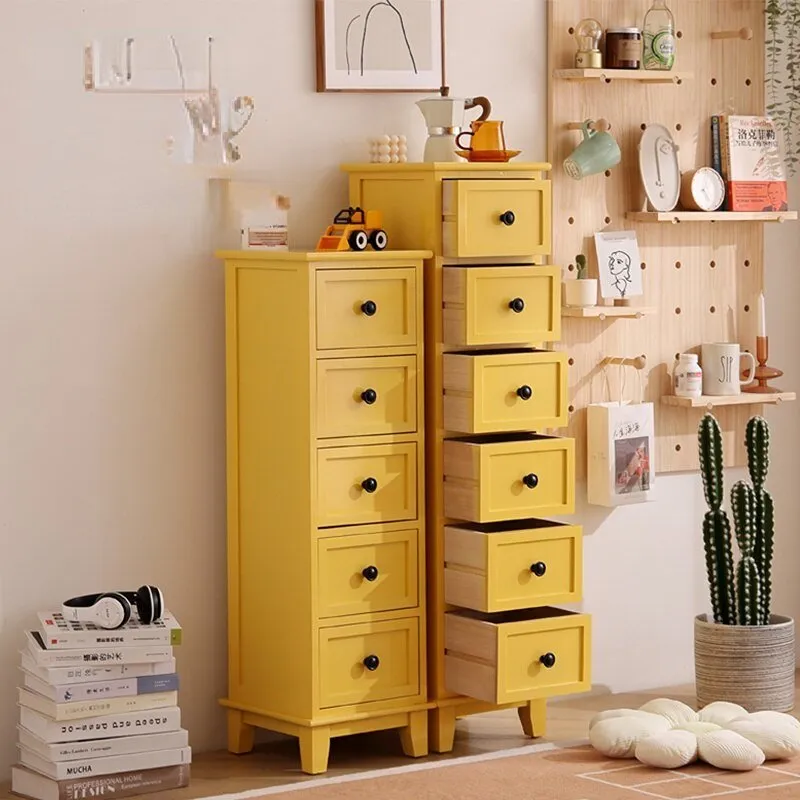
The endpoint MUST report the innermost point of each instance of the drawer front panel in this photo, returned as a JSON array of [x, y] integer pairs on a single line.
[[366, 308], [503, 570], [495, 218], [507, 392], [366, 396], [509, 479], [369, 662], [501, 305], [517, 656], [359, 485], [367, 574]]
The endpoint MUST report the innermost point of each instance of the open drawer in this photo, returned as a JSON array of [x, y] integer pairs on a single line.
[[504, 566], [517, 655]]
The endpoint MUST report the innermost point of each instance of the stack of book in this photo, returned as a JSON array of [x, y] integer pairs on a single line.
[[99, 712]]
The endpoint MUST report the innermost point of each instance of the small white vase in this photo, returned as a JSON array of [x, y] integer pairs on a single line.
[[581, 292]]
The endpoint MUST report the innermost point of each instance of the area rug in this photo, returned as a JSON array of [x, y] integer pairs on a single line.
[[573, 773]]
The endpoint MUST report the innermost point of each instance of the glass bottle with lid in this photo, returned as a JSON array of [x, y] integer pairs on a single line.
[[659, 37], [623, 48]]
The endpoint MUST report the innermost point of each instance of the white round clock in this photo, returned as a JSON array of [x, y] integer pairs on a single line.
[[702, 189]]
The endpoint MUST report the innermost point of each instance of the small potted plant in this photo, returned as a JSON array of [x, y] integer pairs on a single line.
[[743, 653], [581, 291]]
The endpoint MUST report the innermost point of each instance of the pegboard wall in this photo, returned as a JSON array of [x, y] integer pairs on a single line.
[[701, 278]]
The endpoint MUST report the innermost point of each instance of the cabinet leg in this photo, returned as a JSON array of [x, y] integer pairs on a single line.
[[533, 716], [414, 738], [442, 722], [315, 744], [241, 736]]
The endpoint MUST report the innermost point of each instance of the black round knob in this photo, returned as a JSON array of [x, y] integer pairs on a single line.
[[369, 396], [373, 662], [508, 218], [531, 481], [369, 485], [370, 573], [517, 305], [525, 392], [369, 308], [548, 659], [539, 569]]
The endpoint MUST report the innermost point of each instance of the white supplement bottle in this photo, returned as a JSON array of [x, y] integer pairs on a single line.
[[688, 377]]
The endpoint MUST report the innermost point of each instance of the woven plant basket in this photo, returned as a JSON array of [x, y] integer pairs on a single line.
[[752, 665]]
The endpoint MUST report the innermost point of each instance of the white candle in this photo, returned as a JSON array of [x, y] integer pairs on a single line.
[[762, 317]]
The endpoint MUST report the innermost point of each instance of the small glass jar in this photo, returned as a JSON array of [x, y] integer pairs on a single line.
[[623, 48]]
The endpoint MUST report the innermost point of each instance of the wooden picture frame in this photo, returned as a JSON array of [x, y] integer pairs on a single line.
[[379, 45]]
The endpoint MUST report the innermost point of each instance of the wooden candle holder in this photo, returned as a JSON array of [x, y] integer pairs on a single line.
[[763, 372]]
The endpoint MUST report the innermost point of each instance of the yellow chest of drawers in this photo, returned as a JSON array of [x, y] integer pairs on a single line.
[[493, 468], [326, 500]]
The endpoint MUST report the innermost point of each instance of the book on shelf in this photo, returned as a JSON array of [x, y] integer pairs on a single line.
[[29, 783], [58, 632], [122, 687], [89, 656], [110, 726], [93, 672], [752, 164], [118, 745]]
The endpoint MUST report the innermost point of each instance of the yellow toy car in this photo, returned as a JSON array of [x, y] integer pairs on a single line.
[[354, 229]]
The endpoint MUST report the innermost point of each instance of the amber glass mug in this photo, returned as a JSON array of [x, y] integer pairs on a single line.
[[487, 136]]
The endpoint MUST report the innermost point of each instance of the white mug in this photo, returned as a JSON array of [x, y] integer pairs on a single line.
[[721, 364]]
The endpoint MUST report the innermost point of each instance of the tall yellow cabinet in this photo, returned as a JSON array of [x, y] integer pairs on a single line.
[[326, 497], [498, 568]]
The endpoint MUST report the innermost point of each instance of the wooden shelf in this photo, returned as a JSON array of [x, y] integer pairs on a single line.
[[711, 216], [744, 399], [641, 75], [600, 312]]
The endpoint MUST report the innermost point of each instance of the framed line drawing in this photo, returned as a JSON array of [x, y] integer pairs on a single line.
[[379, 45]]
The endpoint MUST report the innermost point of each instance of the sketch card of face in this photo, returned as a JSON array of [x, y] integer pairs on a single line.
[[619, 265]]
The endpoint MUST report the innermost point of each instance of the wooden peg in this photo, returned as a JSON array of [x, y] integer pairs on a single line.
[[640, 362], [743, 33], [596, 125]]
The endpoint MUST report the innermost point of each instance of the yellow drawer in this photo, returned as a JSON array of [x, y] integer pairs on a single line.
[[517, 655], [507, 477], [366, 308], [366, 396], [501, 305], [360, 485], [495, 218], [367, 573], [368, 662], [508, 566], [516, 391]]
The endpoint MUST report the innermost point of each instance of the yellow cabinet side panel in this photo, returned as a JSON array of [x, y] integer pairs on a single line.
[[270, 486]]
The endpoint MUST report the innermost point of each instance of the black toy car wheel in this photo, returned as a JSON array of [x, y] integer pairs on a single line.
[[379, 240], [359, 240]]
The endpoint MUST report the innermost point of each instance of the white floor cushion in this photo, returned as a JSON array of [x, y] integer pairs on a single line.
[[617, 737], [729, 750], [775, 738], [674, 711], [612, 713], [721, 713], [668, 750], [699, 728]]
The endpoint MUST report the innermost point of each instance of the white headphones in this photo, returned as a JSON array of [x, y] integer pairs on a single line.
[[112, 610]]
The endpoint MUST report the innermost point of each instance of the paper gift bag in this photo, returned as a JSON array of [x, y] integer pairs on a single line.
[[620, 453]]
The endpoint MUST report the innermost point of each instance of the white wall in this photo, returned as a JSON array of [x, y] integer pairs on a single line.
[[111, 329]]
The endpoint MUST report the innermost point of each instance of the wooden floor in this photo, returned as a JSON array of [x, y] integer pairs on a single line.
[[276, 762]]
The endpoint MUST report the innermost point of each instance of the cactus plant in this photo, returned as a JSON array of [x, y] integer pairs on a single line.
[[580, 261], [747, 601]]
